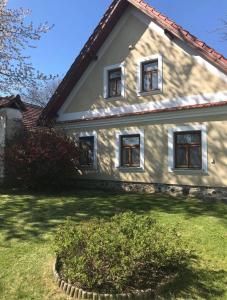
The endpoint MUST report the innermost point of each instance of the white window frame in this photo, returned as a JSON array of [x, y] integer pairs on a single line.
[[118, 148], [106, 81], [171, 131], [91, 134], [160, 74]]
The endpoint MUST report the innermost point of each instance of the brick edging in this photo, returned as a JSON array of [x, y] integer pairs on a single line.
[[76, 293]]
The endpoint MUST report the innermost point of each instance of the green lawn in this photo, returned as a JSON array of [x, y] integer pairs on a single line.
[[28, 221]]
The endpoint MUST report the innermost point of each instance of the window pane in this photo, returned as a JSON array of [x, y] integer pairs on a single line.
[[112, 88], [136, 157], [150, 66], [86, 150], [115, 74], [188, 138], [195, 157], [181, 157], [147, 82], [155, 81], [131, 140], [119, 87], [125, 156]]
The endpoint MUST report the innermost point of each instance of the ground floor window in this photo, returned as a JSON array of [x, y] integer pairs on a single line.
[[86, 146], [87, 143], [130, 150], [187, 148]]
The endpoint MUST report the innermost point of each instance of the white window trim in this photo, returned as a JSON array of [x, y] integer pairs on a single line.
[[105, 83], [118, 148], [160, 74], [171, 131], [93, 134]]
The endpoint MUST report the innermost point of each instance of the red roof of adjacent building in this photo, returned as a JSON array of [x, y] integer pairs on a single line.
[[12, 101], [101, 32], [31, 115], [30, 112]]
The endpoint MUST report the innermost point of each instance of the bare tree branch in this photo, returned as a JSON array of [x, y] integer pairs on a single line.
[[16, 71]]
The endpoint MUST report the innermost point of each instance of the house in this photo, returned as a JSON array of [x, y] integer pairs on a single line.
[[15, 115], [146, 101]]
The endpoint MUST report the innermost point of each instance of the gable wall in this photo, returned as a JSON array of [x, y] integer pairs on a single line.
[[182, 74]]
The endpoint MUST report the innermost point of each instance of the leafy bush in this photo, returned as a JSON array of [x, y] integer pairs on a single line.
[[40, 158], [125, 253]]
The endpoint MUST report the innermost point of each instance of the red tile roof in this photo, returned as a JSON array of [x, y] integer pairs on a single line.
[[31, 115], [180, 32], [94, 43], [30, 112]]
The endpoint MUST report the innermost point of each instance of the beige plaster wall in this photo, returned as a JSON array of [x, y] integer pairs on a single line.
[[182, 74], [156, 156]]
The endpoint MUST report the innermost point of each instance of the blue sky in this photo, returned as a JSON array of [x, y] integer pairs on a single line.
[[75, 20]]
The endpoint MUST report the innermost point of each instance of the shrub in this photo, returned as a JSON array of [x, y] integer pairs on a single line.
[[40, 158], [128, 252]]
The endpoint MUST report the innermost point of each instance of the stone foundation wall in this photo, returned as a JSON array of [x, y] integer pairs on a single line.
[[201, 192]]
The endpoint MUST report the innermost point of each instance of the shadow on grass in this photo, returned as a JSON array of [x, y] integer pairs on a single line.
[[26, 216], [35, 216], [194, 284]]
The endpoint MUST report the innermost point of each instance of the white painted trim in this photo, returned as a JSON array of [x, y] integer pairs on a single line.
[[105, 79], [139, 72], [171, 131], [118, 145], [164, 117], [93, 134], [142, 107]]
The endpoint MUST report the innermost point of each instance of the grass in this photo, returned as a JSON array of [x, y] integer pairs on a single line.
[[28, 221]]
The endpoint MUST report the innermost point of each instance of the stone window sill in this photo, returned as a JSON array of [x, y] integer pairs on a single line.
[[155, 92], [119, 98], [131, 169], [189, 172]]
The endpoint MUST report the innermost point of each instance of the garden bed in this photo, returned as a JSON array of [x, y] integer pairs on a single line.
[[126, 257], [78, 293]]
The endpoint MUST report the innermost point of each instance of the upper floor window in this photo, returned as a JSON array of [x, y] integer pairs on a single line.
[[149, 75], [188, 150], [114, 81]]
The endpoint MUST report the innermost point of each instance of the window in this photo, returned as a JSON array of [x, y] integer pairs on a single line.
[[114, 83], [188, 150], [150, 76], [86, 147], [130, 151]]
